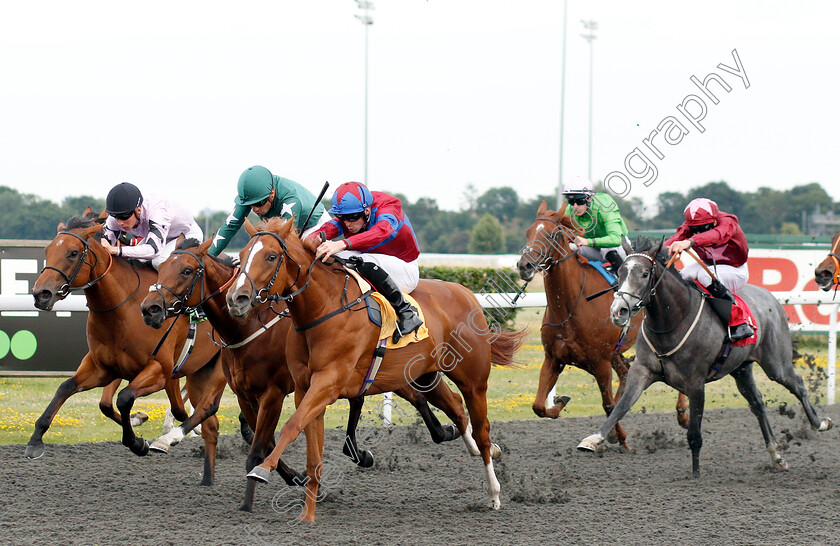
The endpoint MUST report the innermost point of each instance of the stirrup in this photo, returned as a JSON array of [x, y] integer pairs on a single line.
[[411, 324], [741, 331]]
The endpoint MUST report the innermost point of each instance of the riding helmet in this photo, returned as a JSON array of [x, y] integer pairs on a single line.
[[255, 184], [578, 185], [123, 198], [350, 197], [700, 211]]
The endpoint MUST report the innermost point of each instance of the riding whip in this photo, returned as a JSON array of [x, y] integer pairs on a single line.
[[317, 202]]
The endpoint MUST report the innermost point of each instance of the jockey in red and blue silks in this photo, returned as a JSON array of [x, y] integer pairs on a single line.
[[379, 241]]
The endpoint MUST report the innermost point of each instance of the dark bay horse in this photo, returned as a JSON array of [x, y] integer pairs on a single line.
[[575, 331], [827, 273], [684, 339], [329, 349], [120, 345], [254, 356]]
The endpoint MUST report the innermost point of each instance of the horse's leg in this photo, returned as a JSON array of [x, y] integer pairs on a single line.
[[176, 402], [621, 368], [315, 471], [639, 378], [746, 386], [106, 406], [682, 410], [245, 429], [362, 458], [87, 376], [603, 376], [168, 417], [550, 371], [149, 380], [442, 397], [785, 375], [697, 400]]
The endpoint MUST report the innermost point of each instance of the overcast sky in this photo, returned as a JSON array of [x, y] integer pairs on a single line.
[[180, 97]]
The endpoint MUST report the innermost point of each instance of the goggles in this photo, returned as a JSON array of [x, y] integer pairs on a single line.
[[578, 199], [350, 217], [124, 215], [701, 228], [261, 203]]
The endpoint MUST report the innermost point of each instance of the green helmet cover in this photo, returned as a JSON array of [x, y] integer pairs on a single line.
[[254, 185]]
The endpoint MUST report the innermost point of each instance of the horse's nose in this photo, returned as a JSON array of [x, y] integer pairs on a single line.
[[619, 314], [43, 299], [823, 278], [526, 270], [239, 303], [152, 315]]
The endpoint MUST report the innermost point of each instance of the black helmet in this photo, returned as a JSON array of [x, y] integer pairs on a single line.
[[123, 199]]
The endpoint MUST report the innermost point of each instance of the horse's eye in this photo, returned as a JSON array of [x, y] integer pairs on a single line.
[[646, 274], [73, 253], [272, 257], [187, 271]]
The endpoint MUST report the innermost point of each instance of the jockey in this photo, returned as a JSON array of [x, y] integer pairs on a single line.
[[149, 228], [269, 196], [598, 215], [718, 240], [379, 241]]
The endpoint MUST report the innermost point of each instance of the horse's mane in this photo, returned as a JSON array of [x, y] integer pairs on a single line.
[[84, 220], [643, 243], [192, 242]]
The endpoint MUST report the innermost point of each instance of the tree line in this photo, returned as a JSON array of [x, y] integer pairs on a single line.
[[492, 222]]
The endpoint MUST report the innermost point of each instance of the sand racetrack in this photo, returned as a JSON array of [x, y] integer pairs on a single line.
[[421, 493]]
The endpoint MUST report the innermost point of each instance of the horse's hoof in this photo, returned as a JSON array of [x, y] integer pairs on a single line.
[[495, 451], [495, 504], [34, 452], [139, 418], [826, 424], [561, 400], [159, 446], [590, 443], [259, 474], [244, 507], [142, 449], [365, 459]]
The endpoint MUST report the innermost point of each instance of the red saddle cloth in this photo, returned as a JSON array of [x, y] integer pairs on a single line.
[[741, 313]]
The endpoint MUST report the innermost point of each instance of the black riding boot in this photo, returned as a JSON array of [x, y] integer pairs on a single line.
[[720, 292], [407, 319], [615, 261]]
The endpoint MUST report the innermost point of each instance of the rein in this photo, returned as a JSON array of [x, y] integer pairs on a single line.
[[836, 259]]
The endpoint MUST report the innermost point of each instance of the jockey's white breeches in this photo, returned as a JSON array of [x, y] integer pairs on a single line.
[[406, 275], [733, 278]]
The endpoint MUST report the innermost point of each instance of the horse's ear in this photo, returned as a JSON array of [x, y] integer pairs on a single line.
[[60, 227], [87, 211], [181, 238], [542, 209], [287, 226], [93, 230], [102, 215], [628, 250], [249, 227], [658, 248], [205, 246]]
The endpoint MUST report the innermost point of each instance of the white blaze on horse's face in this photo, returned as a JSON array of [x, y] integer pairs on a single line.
[[240, 282], [629, 292]]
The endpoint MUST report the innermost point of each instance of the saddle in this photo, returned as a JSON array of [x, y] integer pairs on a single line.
[[737, 313]]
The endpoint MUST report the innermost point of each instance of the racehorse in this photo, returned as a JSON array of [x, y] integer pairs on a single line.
[[254, 355], [575, 329], [329, 358], [120, 346], [683, 340], [827, 273]]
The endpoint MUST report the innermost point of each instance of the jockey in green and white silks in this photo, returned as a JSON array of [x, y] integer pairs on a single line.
[[269, 196], [598, 215]]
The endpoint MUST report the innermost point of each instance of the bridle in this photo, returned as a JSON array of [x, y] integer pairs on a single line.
[[649, 290], [836, 259], [545, 259], [180, 305], [68, 287], [263, 294]]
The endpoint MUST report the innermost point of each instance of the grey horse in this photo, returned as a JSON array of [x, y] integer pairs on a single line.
[[684, 338]]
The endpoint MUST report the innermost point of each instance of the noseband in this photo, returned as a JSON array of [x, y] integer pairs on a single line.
[[263, 295], [545, 261], [180, 306], [650, 289], [67, 287]]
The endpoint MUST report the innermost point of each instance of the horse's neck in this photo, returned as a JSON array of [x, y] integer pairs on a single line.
[[114, 287], [322, 296], [669, 304], [563, 284], [215, 307]]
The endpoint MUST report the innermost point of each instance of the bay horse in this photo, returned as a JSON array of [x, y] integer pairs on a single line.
[[575, 330], [120, 345], [329, 349], [827, 273], [690, 337], [254, 356]]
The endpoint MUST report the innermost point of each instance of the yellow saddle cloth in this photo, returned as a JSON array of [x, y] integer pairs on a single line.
[[389, 317]]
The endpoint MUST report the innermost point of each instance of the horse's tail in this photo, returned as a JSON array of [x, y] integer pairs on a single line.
[[505, 346]]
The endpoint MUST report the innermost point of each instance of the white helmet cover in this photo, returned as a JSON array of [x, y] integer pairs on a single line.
[[578, 184]]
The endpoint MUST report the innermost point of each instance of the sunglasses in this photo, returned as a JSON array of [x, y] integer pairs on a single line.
[[578, 200], [351, 217], [261, 203], [123, 216], [701, 228]]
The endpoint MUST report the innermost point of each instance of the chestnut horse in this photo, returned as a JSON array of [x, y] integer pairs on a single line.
[[329, 350], [827, 274], [120, 346], [254, 356], [575, 330]]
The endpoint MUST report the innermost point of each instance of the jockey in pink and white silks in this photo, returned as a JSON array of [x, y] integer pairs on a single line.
[[720, 243], [149, 228]]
